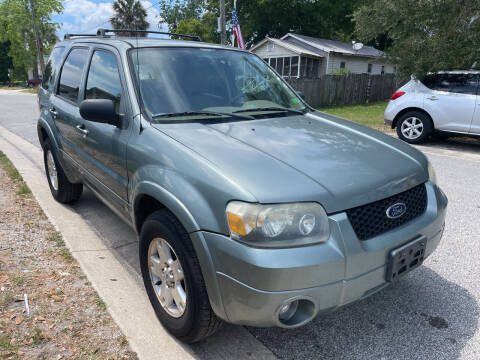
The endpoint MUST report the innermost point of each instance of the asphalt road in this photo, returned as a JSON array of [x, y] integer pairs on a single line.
[[432, 313]]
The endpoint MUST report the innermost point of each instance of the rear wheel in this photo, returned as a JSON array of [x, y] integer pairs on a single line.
[[62, 190], [173, 279], [414, 127]]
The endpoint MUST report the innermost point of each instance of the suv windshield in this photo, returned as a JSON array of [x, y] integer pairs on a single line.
[[183, 82]]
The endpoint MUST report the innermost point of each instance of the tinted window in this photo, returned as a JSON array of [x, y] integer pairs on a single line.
[[103, 78], [465, 84], [71, 74], [457, 83], [50, 68]]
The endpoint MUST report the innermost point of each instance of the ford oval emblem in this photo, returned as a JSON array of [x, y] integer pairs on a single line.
[[396, 210]]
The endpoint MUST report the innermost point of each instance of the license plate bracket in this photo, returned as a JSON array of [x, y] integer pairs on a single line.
[[405, 258]]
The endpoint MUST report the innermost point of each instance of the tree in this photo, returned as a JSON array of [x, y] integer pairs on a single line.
[[260, 18], [129, 14], [5, 62], [422, 36], [16, 27]]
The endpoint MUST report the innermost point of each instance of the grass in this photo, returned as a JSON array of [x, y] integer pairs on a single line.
[[369, 115], [6, 298], [9, 168], [33, 90], [56, 237], [23, 189], [101, 304]]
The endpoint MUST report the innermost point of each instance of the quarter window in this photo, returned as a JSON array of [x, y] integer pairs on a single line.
[[103, 80], [49, 73], [71, 74]]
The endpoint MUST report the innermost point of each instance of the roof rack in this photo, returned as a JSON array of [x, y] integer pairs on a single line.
[[103, 32], [69, 36]]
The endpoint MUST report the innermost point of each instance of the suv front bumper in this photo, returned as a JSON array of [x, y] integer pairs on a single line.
[[248, 285]]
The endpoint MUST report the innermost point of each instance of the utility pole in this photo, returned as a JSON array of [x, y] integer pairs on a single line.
[[37, 38], [223, 32]]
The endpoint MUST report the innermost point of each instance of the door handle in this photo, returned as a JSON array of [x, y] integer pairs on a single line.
[[81, 129], [53, 112], [433, 98]]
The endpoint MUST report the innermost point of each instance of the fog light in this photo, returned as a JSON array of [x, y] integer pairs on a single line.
[[288, 310]]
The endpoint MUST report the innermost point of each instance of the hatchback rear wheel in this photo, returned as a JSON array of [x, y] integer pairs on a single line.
[[414, 127]]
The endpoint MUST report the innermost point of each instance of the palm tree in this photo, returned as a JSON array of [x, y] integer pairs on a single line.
[[129, 14]]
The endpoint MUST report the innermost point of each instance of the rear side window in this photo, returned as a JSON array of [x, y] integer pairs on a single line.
[[456, 83], [465, 84], [103, 78], [50, 68], [71, 74]]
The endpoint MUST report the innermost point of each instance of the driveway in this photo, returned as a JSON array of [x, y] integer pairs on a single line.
[[432, 313]]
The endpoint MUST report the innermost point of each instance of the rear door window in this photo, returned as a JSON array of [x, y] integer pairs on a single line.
[[71, 74]]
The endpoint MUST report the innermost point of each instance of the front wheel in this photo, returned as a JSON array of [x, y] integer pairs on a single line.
[[414, 127], [173, 279]]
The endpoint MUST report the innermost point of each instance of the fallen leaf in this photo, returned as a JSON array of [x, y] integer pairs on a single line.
[[70, 327], [18, 321], [20, 353], [57, 298]]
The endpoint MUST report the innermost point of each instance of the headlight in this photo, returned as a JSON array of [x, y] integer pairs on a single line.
[[279, 225], [431, 174]]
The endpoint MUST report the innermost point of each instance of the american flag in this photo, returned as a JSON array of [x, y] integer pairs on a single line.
[[236, 29]]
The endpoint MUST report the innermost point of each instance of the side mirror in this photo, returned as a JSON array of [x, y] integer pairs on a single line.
[[100, 111], [301, 94]]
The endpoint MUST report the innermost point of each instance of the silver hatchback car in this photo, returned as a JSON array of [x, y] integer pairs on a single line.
[[250, 206]]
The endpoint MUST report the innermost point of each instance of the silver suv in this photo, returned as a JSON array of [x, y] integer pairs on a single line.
[[446, 103]]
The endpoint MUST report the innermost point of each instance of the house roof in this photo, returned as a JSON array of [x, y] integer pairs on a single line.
[[287, 45], [332, 46]]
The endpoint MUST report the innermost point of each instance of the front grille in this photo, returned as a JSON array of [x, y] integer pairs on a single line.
[[371, 220]]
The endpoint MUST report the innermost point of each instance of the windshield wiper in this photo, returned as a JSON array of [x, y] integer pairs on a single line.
[[202, 112], [271, 109]]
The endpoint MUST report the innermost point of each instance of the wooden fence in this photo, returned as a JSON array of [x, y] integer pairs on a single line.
[[331, 90]]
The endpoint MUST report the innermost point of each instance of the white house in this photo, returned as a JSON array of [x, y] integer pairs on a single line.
[[307, 57]]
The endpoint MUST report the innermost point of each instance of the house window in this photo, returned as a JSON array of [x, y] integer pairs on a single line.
[[273, 62], [270, 47], [369, 70], [294, 65], [286, 66], [383, 69], [342, 65], [266, 60]]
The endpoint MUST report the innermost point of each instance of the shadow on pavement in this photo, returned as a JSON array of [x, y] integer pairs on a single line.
[[423, 316], [463, 144]]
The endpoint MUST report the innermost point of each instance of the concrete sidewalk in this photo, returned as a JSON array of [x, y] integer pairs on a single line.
[[118, 286]]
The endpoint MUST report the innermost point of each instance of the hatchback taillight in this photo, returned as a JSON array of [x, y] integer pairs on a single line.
[[397, 95]]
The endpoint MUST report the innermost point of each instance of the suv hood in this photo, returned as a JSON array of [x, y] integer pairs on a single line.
[[314, 157]]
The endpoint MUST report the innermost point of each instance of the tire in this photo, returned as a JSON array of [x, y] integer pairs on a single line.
[[196, 320], [62, 190], [411, 123]]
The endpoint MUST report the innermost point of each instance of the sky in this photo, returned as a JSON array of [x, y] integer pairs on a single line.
[[86, 16]]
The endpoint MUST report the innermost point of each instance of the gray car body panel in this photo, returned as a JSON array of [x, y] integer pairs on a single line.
[[195, 169]]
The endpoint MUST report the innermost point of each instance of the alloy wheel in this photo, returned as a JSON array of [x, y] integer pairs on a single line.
[[52, 170], [167, 277], [412, 128]]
